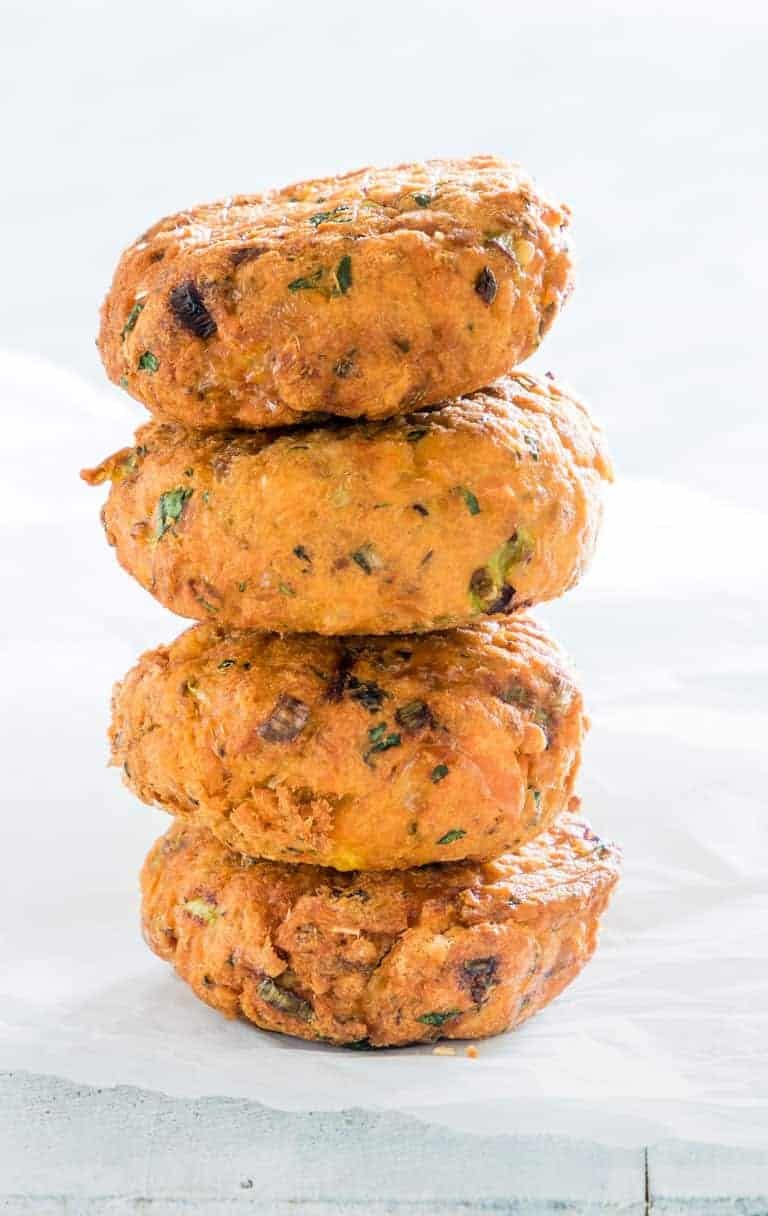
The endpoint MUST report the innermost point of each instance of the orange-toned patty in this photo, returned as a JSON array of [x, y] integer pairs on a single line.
[[370, 294], [364, 753], [487, 505], [456, 951]]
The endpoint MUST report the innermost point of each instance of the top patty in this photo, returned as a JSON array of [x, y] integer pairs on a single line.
[[370, 294]]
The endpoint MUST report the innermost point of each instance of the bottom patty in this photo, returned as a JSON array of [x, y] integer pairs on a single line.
[[457, 950]]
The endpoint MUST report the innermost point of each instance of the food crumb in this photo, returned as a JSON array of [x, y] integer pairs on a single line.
[[443, 1050], [472, 1052]]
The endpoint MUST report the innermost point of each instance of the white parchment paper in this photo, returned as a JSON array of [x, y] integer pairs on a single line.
[[665, 1032]]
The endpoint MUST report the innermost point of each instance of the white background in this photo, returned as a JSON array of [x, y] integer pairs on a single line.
[[649, 119]]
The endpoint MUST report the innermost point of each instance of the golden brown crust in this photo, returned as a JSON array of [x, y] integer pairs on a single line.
[[370, 753], [487, 505], [454, 951], [369, 294]]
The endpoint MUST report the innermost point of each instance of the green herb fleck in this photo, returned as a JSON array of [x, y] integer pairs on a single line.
[[367, 559], [225, 663], [438, 1017], [381, 741], [386, 743], [169, 509], [201, 910], [519, 548], [242, 586], [416, 433], [454, 834], [532, 443], [488, 591], [123, 382], [438, 773], [473, 506], [367, 693], [148, 362], [131, 463], [307, 282], [286, 589], [132, 318], [516, 694], [536, 797], [204, 603], [285, 1001], [344, 274], [336, 216], [422, 200]]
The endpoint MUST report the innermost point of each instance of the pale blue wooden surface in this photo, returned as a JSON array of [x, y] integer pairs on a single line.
[[73, 1149]]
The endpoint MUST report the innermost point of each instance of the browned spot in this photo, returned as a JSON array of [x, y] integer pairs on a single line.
[[286, 721], [478, 976], [246, 253]]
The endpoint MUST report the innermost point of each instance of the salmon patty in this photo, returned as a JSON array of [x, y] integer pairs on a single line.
[[359, 753], [370, 294], [456, 951], [490, 504]]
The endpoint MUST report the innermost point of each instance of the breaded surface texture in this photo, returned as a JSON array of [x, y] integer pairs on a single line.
[[490, 504], [371, 294], [365, 753], [457, 951]]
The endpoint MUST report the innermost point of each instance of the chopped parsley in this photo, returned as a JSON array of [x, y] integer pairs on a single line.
[[306, 282], [438, 773], [132, 318], [438, 1017], [170, 507], [336, 216], [148, 362], [344, 274], [422, 200], [488, 589], [367, 559], [367, 693], [380, 741], [473, 506], [454, 834]]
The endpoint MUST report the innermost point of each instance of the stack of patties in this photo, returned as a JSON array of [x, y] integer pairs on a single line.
[[368, 745]]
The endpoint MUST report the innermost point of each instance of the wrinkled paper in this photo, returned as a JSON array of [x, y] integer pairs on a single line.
[[664, 1033]]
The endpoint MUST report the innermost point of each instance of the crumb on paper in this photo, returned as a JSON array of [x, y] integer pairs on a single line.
[[472, 1052], [443, 1050]]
